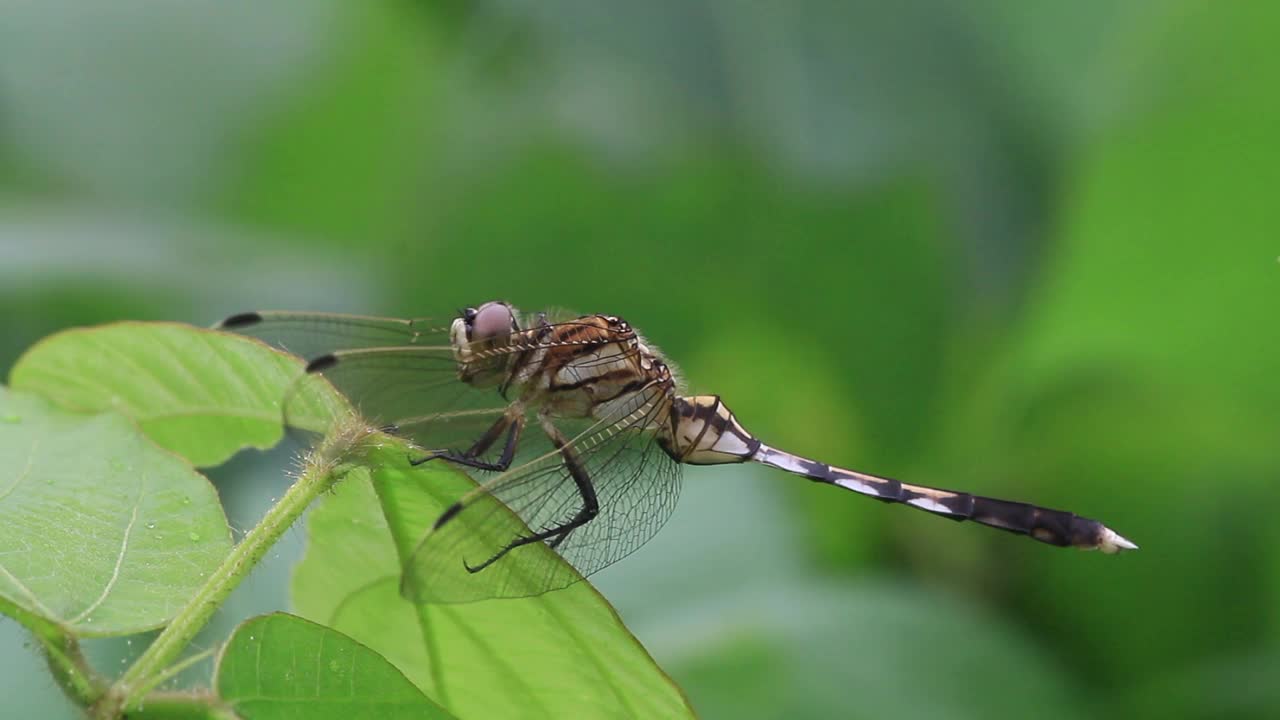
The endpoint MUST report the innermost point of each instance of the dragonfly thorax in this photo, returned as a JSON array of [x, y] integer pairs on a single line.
[[599, 367]]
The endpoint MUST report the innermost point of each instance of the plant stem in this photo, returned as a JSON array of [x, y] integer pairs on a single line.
[[316, 478], [168, 673], [71, 670], [183, 705], [62, 652]]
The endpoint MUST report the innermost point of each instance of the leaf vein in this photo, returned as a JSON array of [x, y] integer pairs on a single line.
[[115, 572], [31, 597], [26, 470]]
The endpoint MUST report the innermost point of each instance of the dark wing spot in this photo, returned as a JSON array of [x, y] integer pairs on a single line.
[[241, 320], [447, 515], [322, 363]]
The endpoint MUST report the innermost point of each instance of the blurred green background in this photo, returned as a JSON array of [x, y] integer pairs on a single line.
[[1024, 249]]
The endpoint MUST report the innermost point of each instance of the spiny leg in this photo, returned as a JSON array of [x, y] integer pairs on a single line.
[[558, 533], [469, 458], [555, 542]]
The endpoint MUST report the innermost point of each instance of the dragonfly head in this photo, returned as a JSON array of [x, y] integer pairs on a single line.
[[478, 329]]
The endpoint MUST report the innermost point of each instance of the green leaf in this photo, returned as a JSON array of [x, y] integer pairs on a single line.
[[101, 532], [281, 666], [562, 654], [201, 393]]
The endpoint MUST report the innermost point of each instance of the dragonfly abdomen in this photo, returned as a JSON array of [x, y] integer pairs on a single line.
[[703, 431], [1055, 527]]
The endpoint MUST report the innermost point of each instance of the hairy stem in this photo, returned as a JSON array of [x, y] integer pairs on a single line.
[[170, 672], [62, 652], [317, 477]]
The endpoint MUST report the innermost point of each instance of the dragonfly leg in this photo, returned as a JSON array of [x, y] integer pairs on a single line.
[[558, 533], [470, 458], [555, 542]]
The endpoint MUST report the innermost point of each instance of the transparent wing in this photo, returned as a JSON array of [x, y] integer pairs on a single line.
[[501, 539], [415, 393], [310, 335], [400, 375]]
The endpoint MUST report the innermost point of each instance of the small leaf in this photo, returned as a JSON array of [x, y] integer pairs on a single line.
[[201, 393], [100, 531], [562, 654], [281, 666]]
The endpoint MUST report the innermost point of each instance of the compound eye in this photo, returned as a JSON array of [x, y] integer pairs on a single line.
[[492, 320]]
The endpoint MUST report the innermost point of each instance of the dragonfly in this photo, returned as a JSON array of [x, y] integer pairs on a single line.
[[575, 430]]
